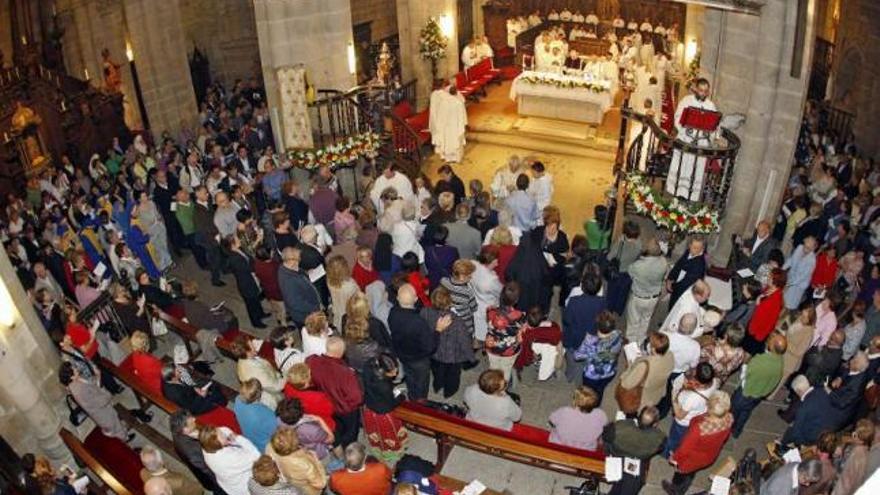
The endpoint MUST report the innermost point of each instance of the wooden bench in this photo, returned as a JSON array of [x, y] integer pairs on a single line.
[[188, 332], [528, 445], [111, 475], [454, 485], [219, 416]]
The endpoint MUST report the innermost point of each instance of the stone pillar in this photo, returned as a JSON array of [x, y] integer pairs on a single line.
[[748, 60], [30, 395], [315, 33], [156, 35], [479, 23], [412, 15]]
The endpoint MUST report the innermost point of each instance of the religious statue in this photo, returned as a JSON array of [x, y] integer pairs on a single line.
[[25, 123], [112, 76], [607, 9], [384, 64]]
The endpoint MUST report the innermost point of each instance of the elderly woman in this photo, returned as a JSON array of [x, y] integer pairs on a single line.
[[701, 444], [256, 420], [144, 365], [229, 456], [724, 353], [464, 299], [298, 466], [579, 425], [455, 345], [487, 290], [341, 285], [250, 365], [267, 479], [97, 402], [600, 351], [405, 234], [489, 404], [439, 257], [315, 333], [800, 268]]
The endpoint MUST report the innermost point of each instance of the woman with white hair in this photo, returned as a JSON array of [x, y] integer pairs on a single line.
[[505, 220], [405, 234], [154, 467], [701, 444]]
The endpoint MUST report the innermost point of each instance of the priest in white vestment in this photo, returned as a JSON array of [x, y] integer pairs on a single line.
[[687, 165], [448, 119], [393, 179], [504, 181]]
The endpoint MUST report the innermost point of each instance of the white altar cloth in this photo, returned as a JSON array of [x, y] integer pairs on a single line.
[[566, 103]]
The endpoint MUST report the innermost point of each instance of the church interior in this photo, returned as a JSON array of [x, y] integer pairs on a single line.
[[638, 128]]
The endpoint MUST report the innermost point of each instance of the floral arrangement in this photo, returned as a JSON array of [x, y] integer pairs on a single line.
[[432, 44], [364, 145], [672, 214], [566, 82], [693, 72]]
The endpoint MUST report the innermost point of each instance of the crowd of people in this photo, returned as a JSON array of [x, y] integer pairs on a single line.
[[396, 289]]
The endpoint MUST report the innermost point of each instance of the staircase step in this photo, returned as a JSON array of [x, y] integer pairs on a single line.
[[541, 143]]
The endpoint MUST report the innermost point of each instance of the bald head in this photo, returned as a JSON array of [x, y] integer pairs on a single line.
[[406, 296], [874, 345], [335, 347], [859, 362], [157, 486], [687, 324]]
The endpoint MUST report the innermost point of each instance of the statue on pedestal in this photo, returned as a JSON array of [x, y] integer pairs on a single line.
[[112, 76], [384, 65], [25, 129]]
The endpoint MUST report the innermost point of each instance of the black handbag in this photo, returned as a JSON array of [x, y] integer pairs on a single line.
[[76, 413]]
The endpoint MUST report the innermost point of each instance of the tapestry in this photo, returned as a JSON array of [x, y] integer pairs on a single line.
[[295, 123]]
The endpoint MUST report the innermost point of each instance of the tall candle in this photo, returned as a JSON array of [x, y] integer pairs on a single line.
[[86, 71]]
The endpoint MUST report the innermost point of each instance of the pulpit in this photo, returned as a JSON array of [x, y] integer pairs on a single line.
[[32, 151]]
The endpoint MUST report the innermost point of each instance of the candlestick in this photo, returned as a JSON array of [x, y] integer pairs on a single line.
[[24, 40]]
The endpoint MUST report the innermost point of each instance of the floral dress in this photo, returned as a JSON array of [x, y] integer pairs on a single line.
[[600, 354], [505, 323]]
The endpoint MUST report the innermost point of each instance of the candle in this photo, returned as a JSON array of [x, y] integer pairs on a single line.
[[58, 81], [23, 40], [17, 74], [63, 106], [41, 70], [54, 10], [5, 137], [86, 71]]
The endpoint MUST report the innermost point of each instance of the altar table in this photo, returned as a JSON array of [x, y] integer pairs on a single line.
[[546, 100]]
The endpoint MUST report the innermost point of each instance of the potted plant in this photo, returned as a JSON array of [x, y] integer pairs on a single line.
[[432, 45]]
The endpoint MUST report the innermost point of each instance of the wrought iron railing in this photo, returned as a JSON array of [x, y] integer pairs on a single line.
[[705, 171]]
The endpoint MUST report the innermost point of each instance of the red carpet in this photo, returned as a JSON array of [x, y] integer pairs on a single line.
[[122, 462]]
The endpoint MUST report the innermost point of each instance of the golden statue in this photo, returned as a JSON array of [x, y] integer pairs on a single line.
[[384, 64], [24, 117], [112, 76]]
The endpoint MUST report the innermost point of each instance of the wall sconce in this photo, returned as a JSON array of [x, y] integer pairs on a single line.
[[447, 26], [690, 50], [129, 52], [8, 311], [352, 59]]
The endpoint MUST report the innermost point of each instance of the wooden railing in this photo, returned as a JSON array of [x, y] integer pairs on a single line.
[[839, 121], [654, 152]]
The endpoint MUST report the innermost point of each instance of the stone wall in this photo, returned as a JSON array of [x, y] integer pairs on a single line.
[[6, 32], [748, 60], [226, 32], [856, 73], [382, 13]]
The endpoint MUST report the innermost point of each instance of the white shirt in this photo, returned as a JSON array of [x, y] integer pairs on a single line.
[[541, 190], [313, 345], [685, 304], [758, 242], [592, 19], [287, 357], [469, 56], [695, 403], [685, 351], [405, 237], [232, 465], [398, 182]]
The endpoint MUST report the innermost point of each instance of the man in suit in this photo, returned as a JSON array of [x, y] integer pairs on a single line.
[[239, 264], [846, 390], [244, 160], [206, 234], [781, 482], [812, 418], [185, 435], [754, 252], [193, 400], [687, 270]]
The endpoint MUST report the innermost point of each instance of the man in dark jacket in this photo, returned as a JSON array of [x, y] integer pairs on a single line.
[[846, 390], [579, 319], [239, 264], [194, 400], [813, 416], [301, 298], [642, 441], [185, 435], [206, 234], [414, 340], [687, 270]]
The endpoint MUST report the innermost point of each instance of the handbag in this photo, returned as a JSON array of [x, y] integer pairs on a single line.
[[76, 414], [629, 399], [158, 327]]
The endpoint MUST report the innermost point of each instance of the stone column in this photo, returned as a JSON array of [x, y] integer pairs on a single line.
[[160, 53], [412, 15], [748, 61], [30, 395], [315, 33]]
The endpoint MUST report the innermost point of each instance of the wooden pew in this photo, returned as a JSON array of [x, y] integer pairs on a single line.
[[449, 431], [455, 485], [188, 332], [110, 479]]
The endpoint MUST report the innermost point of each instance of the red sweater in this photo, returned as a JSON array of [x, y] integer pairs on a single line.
[[313, 402], [80, 336], [335, 378], [149, 369], [267, 274], [362, 276], [375, 479], [766, 314], [422, 286], [825, 272], [698, 451]]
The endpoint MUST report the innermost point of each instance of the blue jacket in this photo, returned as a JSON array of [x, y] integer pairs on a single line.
[[256, 420], [812, 418], [579, 318], [301, 298]]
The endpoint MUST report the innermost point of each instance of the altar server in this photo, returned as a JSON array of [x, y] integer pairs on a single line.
[[484, 50], [447, 123], [685, 165], [534, 19], [469, 56], [565, 15]]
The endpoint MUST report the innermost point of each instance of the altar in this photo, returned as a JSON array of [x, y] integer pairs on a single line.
[[577, 97]]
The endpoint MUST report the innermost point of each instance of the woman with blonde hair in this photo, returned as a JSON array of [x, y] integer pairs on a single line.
[[341, 286], [580, 424], [800, 337], [299, 466], [701, 444], [501, 242], [315, 333], [454, 345], [229, 456], [147, 367]]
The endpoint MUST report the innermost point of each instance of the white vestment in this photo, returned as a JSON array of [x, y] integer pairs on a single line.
[[503, 182], [399, 182], [469, 56], [541, 190], [447, 123], [686, 165], [484, 51]]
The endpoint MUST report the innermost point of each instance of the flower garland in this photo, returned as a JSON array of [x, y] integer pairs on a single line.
[[672, 214], [567, 83], [364, 145], [432, 43]]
